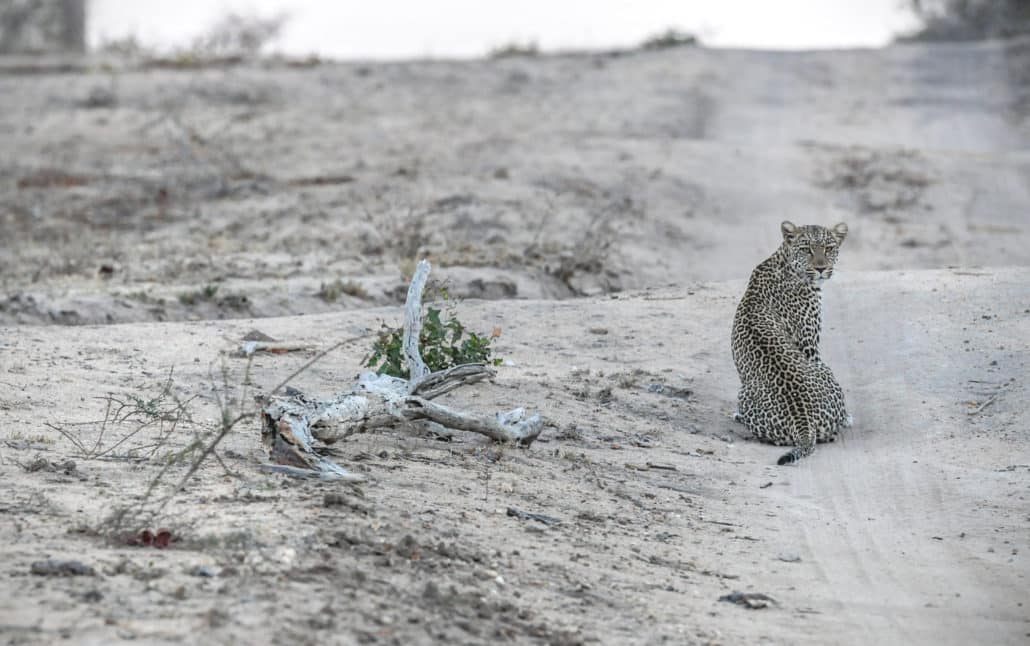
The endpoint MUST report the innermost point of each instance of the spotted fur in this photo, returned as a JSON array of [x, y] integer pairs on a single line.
[[788, 396]]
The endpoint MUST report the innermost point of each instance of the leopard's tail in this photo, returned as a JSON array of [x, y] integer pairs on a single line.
[[805, 447], [792, 456]]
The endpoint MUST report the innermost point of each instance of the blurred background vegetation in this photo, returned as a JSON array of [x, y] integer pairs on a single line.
[[42, 26], [59, 26], [954, 20]]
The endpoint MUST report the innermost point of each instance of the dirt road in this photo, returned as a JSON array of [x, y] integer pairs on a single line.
[[911, 530]]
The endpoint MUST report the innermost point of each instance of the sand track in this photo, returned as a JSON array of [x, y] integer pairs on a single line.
[[910, 530]]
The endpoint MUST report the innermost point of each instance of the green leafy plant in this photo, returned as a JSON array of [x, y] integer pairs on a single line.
[[205, 293], [444, 342]]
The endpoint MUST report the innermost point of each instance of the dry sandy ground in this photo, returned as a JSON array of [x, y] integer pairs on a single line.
[[650, 183], [124, 193], [911, 530]]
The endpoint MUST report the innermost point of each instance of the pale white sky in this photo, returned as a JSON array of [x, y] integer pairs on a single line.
[[390, 29]]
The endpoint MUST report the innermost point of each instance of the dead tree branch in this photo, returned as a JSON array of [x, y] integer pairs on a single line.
[[297, 428], [413, 325]]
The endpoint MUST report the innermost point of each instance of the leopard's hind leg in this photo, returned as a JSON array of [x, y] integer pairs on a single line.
[[833, 415], [817, 410], [763, 414]]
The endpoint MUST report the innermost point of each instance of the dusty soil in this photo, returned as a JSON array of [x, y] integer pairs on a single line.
[[647, 184], [913, 529], [125, 191]]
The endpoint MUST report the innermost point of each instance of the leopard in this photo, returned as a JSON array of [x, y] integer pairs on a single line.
[[788, 395]]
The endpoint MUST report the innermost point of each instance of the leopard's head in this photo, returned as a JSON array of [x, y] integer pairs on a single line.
[[811, 250]]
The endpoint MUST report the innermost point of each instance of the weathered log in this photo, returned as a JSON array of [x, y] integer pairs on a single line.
[[296, 428]]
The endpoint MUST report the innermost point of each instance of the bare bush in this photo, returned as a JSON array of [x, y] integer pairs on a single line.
[[134, 426], [670, 38], [515, 50], [239, 36], [189, 444]]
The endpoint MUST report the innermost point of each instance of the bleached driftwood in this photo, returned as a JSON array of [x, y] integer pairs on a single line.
[[297, 428], [417, 368]]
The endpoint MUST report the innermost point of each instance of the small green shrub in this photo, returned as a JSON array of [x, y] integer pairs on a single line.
[[205, 293], [444, 342], [516, 50], [331, 292]]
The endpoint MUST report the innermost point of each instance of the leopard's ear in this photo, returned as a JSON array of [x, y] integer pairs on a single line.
[[840, 231], [789, 229]]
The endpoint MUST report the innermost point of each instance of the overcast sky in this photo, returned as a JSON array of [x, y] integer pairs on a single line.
[[385, 29]]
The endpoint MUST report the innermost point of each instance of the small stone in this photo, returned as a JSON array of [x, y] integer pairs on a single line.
[[100, 97], [56, 567], [789, 557], [334, 499], [408, 547], [431, 592], [488, 574], [92, 596]]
